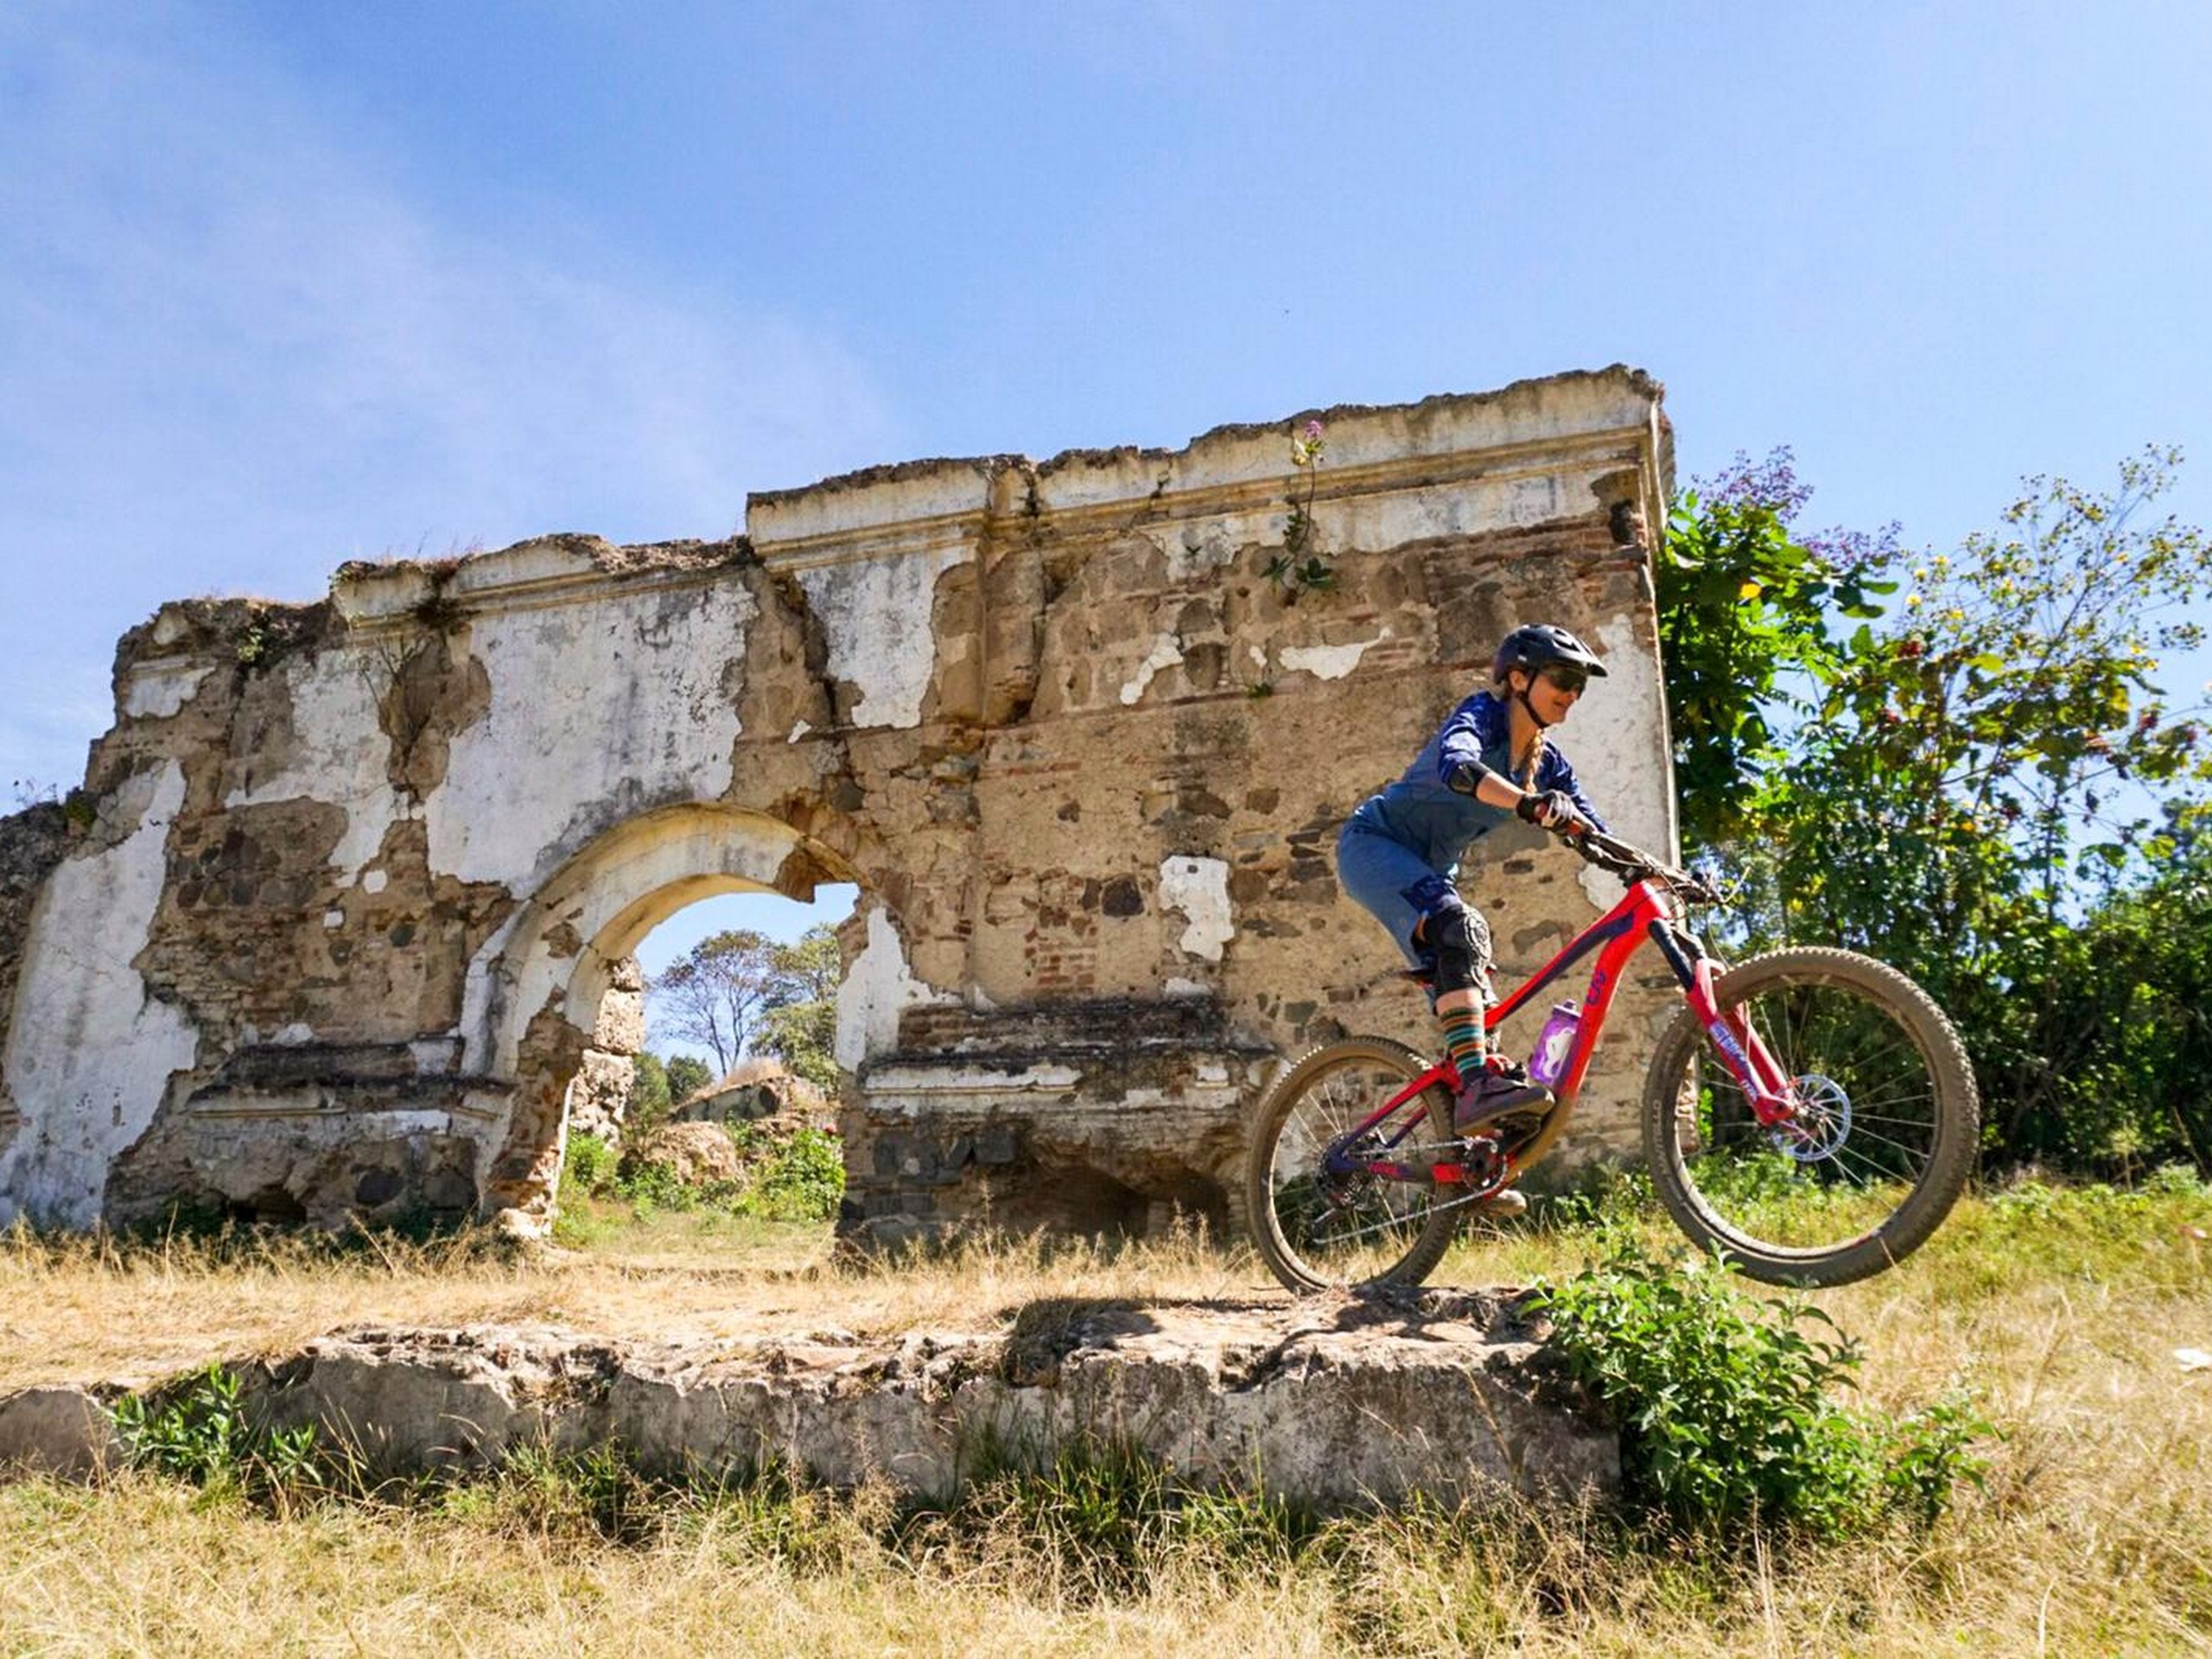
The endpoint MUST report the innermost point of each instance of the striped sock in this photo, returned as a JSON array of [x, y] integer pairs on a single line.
[[1463, 1038]]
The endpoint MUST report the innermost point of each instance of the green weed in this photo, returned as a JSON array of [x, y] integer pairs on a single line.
[[198, 1432], [1728, 1410]]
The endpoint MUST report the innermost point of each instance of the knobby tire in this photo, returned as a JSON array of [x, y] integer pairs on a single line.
[[1904, 1116], [1389, 1232]]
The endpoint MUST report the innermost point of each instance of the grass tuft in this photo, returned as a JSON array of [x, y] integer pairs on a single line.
[[1729, 1405]]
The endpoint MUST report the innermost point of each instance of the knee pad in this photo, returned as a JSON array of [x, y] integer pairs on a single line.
[[1460, 939]]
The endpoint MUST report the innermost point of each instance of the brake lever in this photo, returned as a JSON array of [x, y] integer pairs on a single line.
[[1614, 857], [1633, 864]]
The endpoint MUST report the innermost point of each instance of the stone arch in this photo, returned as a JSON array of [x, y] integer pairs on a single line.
[[535, 989]]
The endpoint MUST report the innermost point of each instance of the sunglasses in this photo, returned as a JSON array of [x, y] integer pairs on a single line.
[[1566, 676]]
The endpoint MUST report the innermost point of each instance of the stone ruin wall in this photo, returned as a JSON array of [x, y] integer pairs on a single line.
[[346, 904]]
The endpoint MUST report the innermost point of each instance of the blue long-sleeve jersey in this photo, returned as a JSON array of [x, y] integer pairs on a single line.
[[1424, 814]]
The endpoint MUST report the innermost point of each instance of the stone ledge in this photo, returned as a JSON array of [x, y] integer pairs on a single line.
[[1366, 443], [57, 1431], [1329, 1404]]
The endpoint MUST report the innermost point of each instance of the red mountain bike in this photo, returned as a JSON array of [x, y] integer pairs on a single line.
[[1809, 1114]]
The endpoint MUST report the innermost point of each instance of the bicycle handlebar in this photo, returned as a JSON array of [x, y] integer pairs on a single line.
[[1633, 864]]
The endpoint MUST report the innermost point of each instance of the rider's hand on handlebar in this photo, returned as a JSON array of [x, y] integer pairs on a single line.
[[1554, 810]]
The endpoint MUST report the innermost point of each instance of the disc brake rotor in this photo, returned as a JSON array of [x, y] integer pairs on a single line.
[[1822, 1123]]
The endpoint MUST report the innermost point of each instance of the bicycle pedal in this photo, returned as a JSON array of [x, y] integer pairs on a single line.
[[1523, 1122]]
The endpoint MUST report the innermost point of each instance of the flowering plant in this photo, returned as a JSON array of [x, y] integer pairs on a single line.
[[1299, 567]]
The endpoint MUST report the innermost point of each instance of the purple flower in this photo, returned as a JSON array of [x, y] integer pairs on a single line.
[[1314, 431], [1770, 483]]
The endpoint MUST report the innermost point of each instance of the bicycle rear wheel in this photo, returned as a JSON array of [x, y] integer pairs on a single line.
[[1320, 1230], [1883, 1145]]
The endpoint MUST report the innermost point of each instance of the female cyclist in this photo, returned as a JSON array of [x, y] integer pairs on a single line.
[[1401, 849]]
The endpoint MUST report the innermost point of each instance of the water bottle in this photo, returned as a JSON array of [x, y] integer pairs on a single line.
[[1547, 1061]]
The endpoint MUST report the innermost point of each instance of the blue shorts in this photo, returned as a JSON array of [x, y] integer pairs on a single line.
[[1381, 872]]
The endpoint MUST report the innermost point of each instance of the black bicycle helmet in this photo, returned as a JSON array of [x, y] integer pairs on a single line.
[[1540, 645]]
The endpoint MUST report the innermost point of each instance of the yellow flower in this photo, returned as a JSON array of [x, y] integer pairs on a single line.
[[1749, 590], [1912, 602]]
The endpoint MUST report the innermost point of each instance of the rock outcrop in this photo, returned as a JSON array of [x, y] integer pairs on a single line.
[[1331, 1405]]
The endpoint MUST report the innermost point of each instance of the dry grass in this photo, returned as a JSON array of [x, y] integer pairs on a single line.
[[2094, 1533], [81, 1308]]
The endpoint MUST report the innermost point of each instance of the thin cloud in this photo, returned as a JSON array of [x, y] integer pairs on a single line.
[[237, 353]]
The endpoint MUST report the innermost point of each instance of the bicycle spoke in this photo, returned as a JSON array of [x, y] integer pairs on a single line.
[[1867, 1132], [1895, 1094], [1858, 1116], [1323, 1217]]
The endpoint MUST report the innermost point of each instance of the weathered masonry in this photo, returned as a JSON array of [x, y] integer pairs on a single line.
[[342, 919]]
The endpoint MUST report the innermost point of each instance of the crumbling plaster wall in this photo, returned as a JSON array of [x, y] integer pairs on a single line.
[[348, 884]]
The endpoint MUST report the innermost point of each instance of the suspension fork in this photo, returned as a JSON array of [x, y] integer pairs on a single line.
[[1748, 1058]]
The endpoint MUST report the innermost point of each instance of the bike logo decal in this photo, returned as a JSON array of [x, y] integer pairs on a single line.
[[1725, 1040], [1553, 1058]]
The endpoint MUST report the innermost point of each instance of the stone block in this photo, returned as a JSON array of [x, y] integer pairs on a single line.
[[57, 1431], [621, 1027], [1449, 1397]]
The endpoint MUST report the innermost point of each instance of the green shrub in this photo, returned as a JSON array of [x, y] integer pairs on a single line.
[[798, 1179], [801, 1179], [2098, 1210], [1725, 1407], [651, 1103], [649, 1184], [588, 1167], [2176, 1181], [198, 1432]]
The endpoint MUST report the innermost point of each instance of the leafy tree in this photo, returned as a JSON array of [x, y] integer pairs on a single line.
[[2131, 1043], [1983, 778], [714, 995], [687, 1076], [809, 967], [803, 1036], [1747, 608], [649, 1102], [800, 1026]]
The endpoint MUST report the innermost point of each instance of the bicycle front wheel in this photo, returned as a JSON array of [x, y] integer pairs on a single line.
[[1881, 1147], [1318, 1229]]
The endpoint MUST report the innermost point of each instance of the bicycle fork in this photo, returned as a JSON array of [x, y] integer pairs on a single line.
[[1772, 1095]]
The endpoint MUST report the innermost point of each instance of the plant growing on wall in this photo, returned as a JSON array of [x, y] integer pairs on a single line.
[[1301, 567]]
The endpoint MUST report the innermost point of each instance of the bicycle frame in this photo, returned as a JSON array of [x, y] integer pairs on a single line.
[[1647, 911]]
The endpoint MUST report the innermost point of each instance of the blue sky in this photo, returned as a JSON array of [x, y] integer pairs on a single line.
[[285, 284]]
